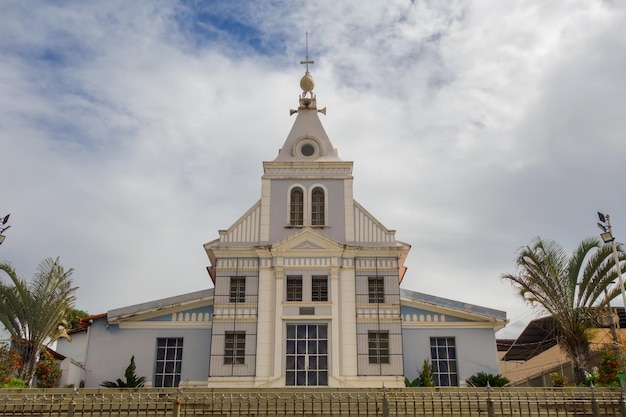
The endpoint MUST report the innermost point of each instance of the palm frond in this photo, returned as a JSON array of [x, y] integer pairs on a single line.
[[32, 311], [571, 289]]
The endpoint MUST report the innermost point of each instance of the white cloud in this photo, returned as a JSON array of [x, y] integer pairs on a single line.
[[132, 132]]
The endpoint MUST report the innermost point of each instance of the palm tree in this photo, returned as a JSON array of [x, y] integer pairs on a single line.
[[569, 288], [34, 312]]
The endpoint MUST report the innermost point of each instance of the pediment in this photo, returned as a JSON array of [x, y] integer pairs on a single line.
[[309, 241], [308, 245]]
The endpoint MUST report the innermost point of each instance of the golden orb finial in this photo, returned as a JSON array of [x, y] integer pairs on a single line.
[[306, 82]]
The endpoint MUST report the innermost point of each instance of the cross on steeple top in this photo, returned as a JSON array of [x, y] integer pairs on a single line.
[[307, 61]]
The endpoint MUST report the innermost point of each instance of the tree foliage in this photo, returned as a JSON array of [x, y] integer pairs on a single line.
[[426, 375], [35, 312], [571, 289], [73, 318], [132, 381]]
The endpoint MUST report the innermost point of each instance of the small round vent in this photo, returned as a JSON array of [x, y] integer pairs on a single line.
[[307, 149]]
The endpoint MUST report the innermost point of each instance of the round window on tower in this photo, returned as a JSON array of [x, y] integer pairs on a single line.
[[307, 149]]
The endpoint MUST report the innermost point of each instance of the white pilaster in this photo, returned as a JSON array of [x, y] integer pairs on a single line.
[[264, 234], [348, 198], [266, 340]]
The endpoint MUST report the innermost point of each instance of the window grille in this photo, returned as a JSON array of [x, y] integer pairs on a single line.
[[237, 289], [306, 361], [378, 347], [319, 288], [294, 288], [443, 355], [376, 289], [296, 217], [234, 348], [317, 207], [169, 361], [379, 322]]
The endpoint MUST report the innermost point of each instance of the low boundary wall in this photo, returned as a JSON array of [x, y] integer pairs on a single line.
[[313, 402]]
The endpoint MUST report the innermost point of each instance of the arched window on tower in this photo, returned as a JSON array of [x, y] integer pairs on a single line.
[[296, 207], [317, 207]]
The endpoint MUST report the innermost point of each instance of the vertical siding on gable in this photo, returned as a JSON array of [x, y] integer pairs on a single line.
[[246, 229], [368, 229]]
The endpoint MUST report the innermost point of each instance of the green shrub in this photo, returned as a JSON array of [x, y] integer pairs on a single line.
[[417, 382], [14, 383], [482, 379], [132, 380], [426, 375]]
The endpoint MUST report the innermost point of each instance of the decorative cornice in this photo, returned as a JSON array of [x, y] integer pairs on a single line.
[[302, 261], [308, 171]]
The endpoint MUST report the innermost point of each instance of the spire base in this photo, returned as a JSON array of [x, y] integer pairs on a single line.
[[307, 103]]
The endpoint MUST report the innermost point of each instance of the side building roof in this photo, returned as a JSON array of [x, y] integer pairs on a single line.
[[453, 305], [158, 305]]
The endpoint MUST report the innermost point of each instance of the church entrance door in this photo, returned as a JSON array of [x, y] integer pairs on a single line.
[[307, 354]]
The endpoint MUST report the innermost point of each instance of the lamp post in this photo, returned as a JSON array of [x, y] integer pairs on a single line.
[[3, 221], [607, 236]]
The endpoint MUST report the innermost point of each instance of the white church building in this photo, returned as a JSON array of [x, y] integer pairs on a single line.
[[306, 292]]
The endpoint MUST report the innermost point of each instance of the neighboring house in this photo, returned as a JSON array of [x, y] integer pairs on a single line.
[[72, 372], [75, 351], [529, 359], [306, 293], [5, 336], [71, 362]]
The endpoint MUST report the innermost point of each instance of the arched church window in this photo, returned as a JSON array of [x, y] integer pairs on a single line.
[[317, 207], [296, 209]]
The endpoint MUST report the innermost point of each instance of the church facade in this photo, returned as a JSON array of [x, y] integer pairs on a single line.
[[306, 292]]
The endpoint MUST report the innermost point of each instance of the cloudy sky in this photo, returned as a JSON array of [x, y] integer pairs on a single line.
[[131, 132]]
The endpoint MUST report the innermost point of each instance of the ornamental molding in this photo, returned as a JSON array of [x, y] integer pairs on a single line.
[[307, 245], [303, 261], [308, 171]]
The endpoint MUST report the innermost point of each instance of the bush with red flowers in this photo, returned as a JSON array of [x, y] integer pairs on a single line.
[[47, 371], [9, 363], [609, 370]]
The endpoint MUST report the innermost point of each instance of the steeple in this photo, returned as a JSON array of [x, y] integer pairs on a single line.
[[306, 82], [307, 141]]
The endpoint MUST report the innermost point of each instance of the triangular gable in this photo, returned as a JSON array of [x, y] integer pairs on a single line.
[[307, 126], [420, 310], [308, 241], [307, 244]]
